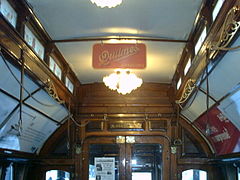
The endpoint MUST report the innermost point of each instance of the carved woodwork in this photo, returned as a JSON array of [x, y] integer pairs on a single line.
[[151, 105], [187, 91], [13, 44], [50, 88], [228, 30], [199, 61], [126, 126]]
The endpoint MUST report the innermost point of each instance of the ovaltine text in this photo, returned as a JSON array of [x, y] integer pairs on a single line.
[[106, 56]]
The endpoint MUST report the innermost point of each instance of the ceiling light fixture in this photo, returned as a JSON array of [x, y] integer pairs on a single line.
[[123, 81], [107, 3]]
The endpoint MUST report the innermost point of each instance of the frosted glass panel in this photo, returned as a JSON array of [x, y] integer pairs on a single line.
[[55, 68], [8, 12], [32, 41], [69, 84]]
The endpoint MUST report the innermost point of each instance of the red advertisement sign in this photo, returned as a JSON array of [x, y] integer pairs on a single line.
[[223, 134], [132, 56]]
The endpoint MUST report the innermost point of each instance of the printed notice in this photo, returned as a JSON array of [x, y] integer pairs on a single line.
[[104, 168]]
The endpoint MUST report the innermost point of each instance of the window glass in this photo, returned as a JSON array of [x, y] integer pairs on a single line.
[[104, 162], [200, 40], [55, 68], [8, 12], [141, 176], [32, 41], [57, 175], [179, 83], [238, 173], [69, 84], [9, 173], [217, 9], [194, 174], [187, 67]]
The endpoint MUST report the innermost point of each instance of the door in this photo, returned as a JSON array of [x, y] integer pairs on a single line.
[[126, 158]]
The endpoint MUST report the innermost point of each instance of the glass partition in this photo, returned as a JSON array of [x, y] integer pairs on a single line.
[[57, 175], [194, 174], [238, 173], [104, 162], [146, 162], [9, 173]]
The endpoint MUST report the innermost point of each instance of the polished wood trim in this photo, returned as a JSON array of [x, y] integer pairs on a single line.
[[56, 162], [193, 161], [200, 60], [125, 133], [52, 141], [13, 44]]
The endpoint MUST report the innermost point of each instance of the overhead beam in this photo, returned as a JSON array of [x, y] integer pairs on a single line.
[[125, 37]]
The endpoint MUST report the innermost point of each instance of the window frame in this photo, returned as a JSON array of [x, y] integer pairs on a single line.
[[63, 170], [187, 66], [11, 171], [179, 83], [56, 67], [36, 41], [67, 79], [203, 170], [238, 173], [200, 40]]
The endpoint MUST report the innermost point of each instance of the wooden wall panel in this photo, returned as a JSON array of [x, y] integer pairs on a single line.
[[150, 98]]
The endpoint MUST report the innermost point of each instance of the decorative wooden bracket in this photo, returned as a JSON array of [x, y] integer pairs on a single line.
[[187, 91]]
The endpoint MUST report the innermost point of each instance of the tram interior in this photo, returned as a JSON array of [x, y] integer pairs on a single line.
[[60, 119]]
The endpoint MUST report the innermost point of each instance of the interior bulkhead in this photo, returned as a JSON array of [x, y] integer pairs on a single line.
[[136, 90]]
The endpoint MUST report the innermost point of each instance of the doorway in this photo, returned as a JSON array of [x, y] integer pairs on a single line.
[[126, 158]]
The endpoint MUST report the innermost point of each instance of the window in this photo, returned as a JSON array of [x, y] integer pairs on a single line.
[[217, 9], [179, 83], [57, 175], [238, 173], [32, 41], [69, 84], [194, 174], [55, 68], [8, 12], [141, 176], [200, 40], [187, 67], [9, 173]]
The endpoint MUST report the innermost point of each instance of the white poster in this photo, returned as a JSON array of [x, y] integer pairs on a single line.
[[104, 168]]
